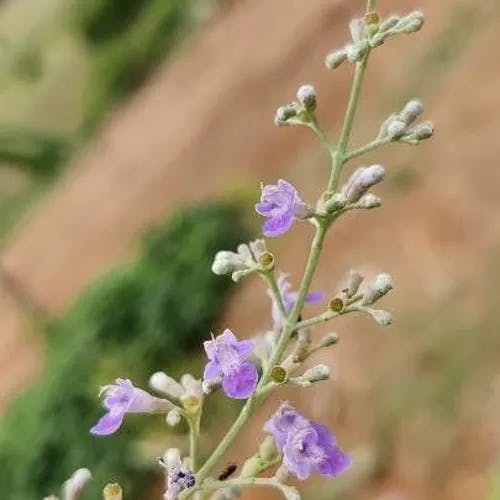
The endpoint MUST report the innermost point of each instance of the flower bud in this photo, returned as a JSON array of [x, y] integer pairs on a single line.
[[369, 201], [336, 202], [362, 180], [173, 417], [389, 23], [396, 128], [382, 317], [212, 385], [268, 450], [161, 382], [377, 39], [306, 95], [353, 283], [357, 29], [75, 484], [112, 491], [284, 113], [412, 22], [380, 287], [335, 59], [356, 51], [226, 262], [328, 340], [423, 131], [316, 374], [412, 110]]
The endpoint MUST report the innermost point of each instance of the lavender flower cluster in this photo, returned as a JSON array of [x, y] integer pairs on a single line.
[[253, 369]]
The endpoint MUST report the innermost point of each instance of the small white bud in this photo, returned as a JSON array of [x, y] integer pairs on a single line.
[[336, 202], [356, 51], [173, 417], [226, 262], [284, 113], [380, 287], [161, 382], [192, 386], [412, 110], [389, 23], [328, 340], [423, 131], [412, 22], [396, 129], [362, 180], [316, 374], [357, 29], [335, 59], [172, 458], [353, 283], [382, 317], [377, 39], [306, 95], [369, 201], [209, 386], [75, 484]]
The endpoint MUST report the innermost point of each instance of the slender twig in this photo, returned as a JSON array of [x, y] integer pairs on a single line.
[[270, 278], [371, 146], [194, 432]]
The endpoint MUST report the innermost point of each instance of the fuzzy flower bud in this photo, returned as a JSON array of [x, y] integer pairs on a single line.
[[423, 131], [306, 95], [335, 58], [380, 287], [389, 23], [411, 23], [357, 29], [161, 382], [369, 201], [362, 180], [412, 110], [284, 113], [328, 340], [383, 318], [316, 374], [112, 491], [75, 484], [353, 283], [173, 417], [336, 202], [356, 51]]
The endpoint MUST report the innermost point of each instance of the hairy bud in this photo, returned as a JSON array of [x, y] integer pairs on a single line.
[[353, 283], [383, 318], [335, 58], [328, 340], [306, 95], [380, 287], [369, 201], [75, 484], [173, 417], [161, 382], [362, 180], [423, 131]]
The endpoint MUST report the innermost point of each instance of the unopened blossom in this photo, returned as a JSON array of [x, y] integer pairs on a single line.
[[121, 398], [307, 446], [74, 486], [361, 180], [228, 361], [282, 205], [289, 297]]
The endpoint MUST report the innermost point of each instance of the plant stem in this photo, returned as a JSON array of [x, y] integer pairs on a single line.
[[376, 143], [270, 278], [194, 432]]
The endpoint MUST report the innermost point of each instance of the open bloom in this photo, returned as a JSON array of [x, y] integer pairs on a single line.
[[281, 204], [306, 446], [229, 362], [179, 477], [289, 297], [121, 398]]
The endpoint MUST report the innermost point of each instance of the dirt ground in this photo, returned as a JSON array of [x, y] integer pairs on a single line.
[[203, 125]]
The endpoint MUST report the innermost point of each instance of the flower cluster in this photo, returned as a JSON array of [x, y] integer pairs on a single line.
[[252, 369], [307, 446]]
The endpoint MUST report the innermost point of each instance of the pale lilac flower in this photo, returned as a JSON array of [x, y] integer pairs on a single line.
[[289, 297], [306, 446], [121, 398], [179, 477], [281, 204], [229, 362]]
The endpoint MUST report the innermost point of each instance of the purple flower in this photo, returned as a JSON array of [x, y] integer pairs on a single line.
[[306, 446], [229, 361], [121, 398], [281, 204], [289, 298], [179, 477]]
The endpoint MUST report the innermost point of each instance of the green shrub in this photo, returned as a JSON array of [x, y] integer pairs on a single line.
[[146, 316]]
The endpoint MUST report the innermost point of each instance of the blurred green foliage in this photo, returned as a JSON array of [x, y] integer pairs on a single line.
[[146, 316]]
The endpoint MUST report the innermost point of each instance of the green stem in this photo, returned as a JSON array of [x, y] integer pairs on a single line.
[[376, 143], [270, 278], [194, 432]]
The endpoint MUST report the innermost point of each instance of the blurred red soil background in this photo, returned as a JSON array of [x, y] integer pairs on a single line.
[[203, 125]]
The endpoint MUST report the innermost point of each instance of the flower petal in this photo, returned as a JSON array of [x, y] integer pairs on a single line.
[[108, 424], [241, 383], [212, 371], [336, 463], [277, 226], [315, 297]]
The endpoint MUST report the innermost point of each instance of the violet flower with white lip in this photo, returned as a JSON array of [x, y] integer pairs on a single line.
[[289, 297], [229, 361], [282, 205], [121, 398]]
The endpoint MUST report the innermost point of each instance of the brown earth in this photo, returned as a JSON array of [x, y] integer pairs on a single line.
[[203, 124]]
